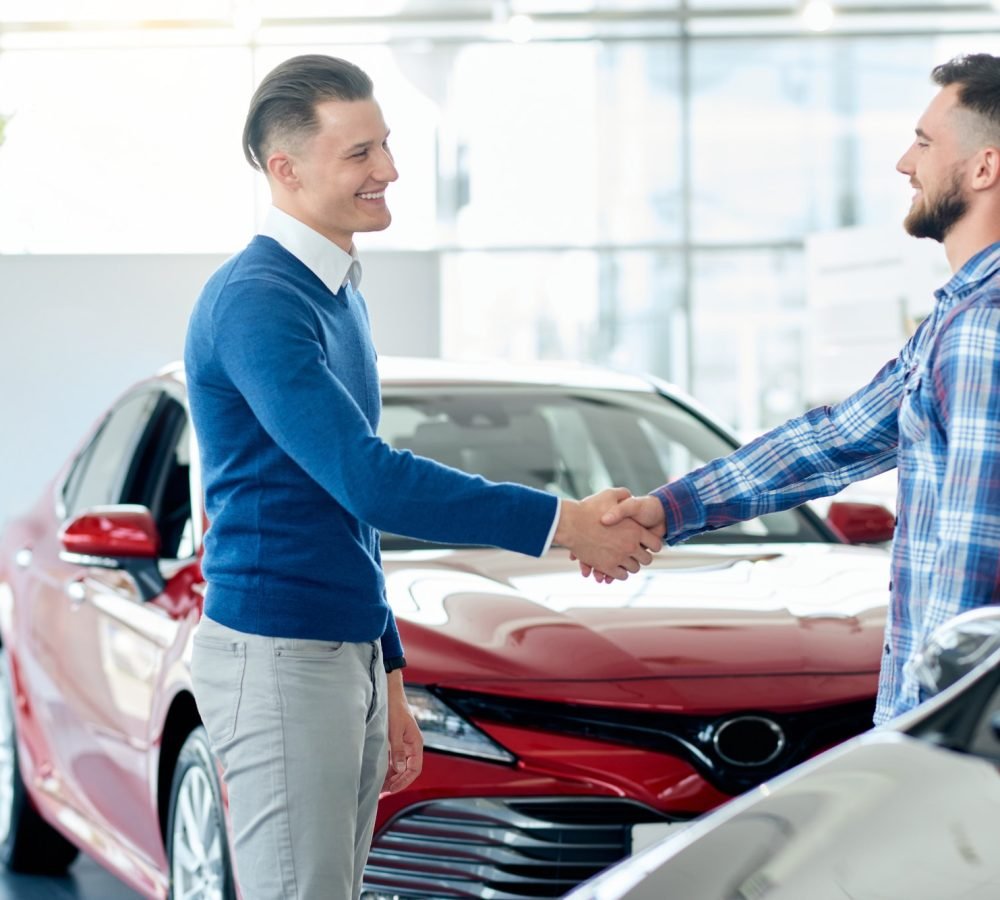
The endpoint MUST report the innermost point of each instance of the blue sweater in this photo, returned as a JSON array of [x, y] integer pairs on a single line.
[[285, 400]]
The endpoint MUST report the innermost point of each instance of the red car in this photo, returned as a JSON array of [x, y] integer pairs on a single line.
[[566, 722]]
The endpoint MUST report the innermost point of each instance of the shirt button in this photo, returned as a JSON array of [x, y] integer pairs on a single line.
[[888, 651]]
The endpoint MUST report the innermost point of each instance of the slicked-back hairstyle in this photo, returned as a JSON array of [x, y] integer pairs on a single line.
[[978, 78], [284, 105]]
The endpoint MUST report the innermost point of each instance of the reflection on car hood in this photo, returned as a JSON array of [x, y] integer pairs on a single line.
[[855, 822], [698, 612]]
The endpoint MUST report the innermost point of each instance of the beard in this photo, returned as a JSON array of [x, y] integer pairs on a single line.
[[935, 218]]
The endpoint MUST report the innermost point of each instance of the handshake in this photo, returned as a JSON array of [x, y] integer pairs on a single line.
[[612, 533]]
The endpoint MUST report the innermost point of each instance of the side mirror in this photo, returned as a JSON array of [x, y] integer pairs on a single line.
[[861, 523], [116, 537], [116, 532]]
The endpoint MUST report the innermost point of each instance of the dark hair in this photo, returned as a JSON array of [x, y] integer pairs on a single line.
[[978, 78], [285, 102]]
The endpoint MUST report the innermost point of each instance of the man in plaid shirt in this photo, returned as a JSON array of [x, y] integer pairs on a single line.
[[933, 412]]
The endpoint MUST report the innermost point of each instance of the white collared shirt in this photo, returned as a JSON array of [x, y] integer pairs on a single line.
[[335, 268], [328, 262]]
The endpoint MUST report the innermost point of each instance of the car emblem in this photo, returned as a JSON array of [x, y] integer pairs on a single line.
[[748, 741]]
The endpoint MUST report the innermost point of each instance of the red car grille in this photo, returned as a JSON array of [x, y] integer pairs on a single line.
[[504, 849]]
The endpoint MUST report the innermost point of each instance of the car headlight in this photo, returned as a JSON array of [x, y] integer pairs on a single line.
[[445, 729], [956, 647]]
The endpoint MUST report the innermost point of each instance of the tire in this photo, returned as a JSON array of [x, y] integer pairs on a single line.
[[27, 842], [197, 842]]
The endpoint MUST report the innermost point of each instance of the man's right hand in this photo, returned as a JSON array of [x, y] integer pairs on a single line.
[[614, 550], [645, 511]]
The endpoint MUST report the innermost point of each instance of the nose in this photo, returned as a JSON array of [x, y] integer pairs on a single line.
[[904, 166], [387, 167]]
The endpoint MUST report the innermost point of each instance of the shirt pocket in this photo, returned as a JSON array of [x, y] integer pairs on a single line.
[[912, 410]]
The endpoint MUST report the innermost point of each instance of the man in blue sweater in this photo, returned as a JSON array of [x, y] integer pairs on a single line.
[[297, 661]]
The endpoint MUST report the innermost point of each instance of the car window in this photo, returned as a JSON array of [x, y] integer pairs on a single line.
[[99, 471], [159, 478], [569, 442]]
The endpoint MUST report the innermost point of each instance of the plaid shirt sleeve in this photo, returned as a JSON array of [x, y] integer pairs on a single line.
[[965, 372], [814, 455]]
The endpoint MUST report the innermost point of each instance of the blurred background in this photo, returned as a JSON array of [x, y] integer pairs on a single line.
[[701, 189]]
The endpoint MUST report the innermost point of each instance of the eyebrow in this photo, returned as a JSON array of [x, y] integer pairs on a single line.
[[922, 134]]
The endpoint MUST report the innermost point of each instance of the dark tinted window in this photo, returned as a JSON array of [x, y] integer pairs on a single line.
[[100, 471], [159, 478], [569, 442]]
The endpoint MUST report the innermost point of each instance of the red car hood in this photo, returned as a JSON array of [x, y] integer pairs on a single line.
[[476, 618]]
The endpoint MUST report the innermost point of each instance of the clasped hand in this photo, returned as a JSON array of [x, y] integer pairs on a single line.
[[611, 533]]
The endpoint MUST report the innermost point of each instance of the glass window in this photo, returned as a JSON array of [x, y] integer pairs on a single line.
[[622, 309], [765, 139], [643, 322], [527, 129], [124, 150], [520, 305], [572, 443], [99, 472], [892, 92], [112, 10], [159, 479], [639, 140], [748, 335]]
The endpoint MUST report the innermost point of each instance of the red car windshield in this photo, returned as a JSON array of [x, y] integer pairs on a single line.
[[571, 442]]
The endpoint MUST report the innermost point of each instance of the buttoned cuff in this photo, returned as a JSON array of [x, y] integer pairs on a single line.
[[683, 511]]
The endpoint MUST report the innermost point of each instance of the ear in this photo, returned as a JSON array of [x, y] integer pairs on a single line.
[[986, 169], [281, 168]]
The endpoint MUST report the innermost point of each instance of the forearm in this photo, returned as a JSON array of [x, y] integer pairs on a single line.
[[394, 686], [810, 456]]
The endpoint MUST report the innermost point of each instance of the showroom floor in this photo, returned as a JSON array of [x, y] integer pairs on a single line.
[[86, 881]]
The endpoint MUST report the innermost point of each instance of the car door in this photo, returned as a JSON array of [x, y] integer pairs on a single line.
[[108, 648]]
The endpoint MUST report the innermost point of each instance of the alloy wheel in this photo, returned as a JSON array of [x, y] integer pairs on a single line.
[[197, 862], [8, 760]]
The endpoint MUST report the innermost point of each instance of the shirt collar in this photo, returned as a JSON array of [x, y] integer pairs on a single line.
[[332, 265], [972, 274]]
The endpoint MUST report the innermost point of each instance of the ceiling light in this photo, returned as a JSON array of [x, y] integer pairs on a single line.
[[520, 28], [817, 15], [246, 17]]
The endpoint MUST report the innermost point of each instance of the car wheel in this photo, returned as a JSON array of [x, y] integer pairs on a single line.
[[27, 842], [197, 845]]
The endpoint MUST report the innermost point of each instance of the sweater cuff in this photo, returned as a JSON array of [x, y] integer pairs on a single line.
[[397, 662]]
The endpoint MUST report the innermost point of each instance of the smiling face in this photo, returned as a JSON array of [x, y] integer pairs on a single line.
[[334, 180], [936, 165]]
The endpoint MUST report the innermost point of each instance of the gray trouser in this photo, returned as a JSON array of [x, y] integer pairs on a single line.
[[300, 729]]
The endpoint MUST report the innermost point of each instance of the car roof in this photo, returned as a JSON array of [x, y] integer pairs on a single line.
[[400, 371]]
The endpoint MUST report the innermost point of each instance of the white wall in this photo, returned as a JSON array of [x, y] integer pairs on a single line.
[[75, 331]]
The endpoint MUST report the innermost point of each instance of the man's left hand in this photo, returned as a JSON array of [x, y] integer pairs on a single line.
[[406, 744]]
